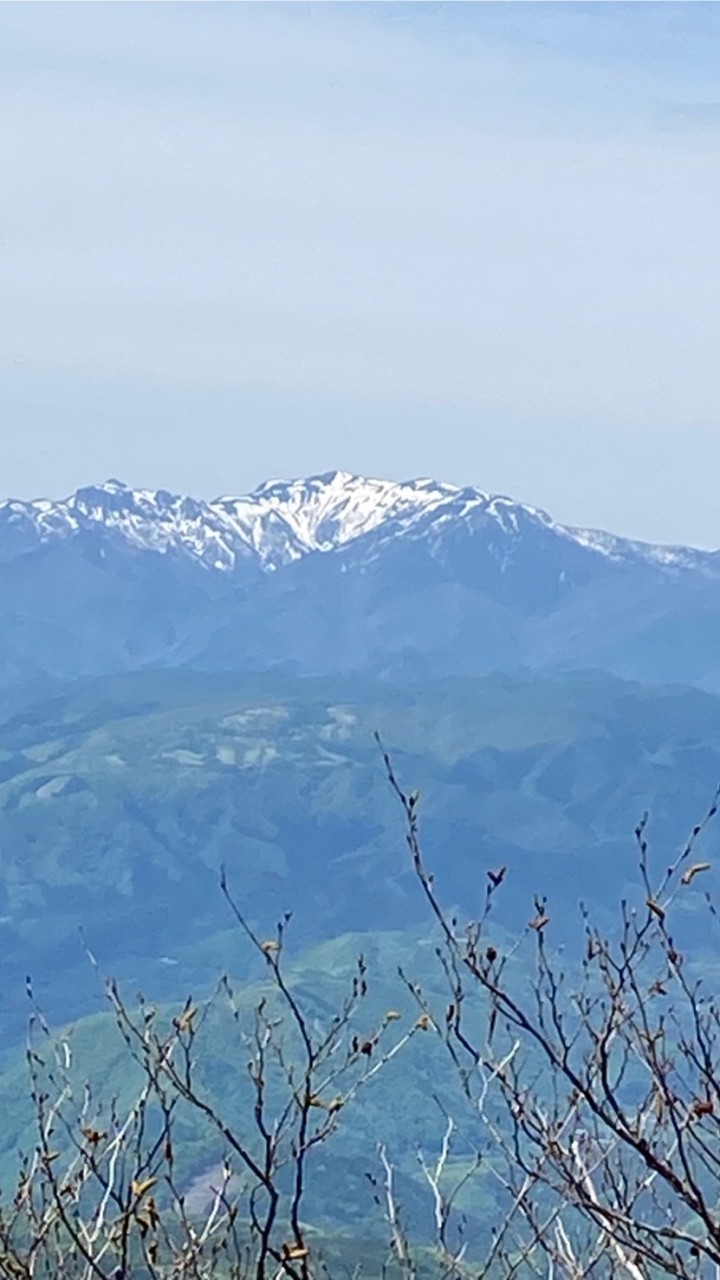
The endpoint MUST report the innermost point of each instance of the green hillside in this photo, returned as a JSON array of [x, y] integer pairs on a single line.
[[120, 799]]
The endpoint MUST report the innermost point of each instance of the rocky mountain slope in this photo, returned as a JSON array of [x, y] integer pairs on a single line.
[[336, 573], [282, 521]]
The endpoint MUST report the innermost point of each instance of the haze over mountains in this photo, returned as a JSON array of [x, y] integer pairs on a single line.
[[336, 574], [186, 685]]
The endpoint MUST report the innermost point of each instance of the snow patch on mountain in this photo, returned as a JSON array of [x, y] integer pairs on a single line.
[[283, 521]]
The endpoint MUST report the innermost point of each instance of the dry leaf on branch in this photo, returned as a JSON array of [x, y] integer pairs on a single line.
[[694, 870]]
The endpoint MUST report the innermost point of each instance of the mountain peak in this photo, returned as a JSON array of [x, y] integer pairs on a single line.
[[401, 578], [283, 520]]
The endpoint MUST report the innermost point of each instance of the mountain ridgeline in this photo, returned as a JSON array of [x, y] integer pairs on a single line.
[[336, 574]]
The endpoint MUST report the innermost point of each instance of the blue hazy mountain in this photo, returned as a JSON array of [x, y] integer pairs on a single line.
[[336, 574]]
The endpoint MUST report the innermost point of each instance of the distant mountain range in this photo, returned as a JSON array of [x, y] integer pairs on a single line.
[[337, 574]]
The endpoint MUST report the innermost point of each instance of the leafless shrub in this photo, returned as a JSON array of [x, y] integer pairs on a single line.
[[597, 1090], [591, 1127], [101, 1194]]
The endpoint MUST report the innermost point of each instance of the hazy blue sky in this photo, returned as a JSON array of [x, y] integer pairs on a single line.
[[474, 241]]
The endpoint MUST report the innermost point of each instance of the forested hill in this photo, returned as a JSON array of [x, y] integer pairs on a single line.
[[120, 799]]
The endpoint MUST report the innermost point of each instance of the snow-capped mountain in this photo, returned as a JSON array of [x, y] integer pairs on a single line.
[[282, 521], [338, 573], [276, 524]]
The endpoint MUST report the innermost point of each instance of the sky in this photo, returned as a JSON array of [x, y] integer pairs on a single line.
[[472, 241]]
